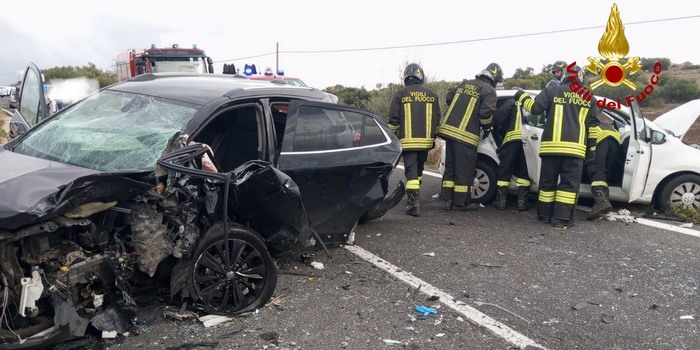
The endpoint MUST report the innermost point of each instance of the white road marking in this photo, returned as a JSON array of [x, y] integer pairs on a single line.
[[467, 311], [429, 173]]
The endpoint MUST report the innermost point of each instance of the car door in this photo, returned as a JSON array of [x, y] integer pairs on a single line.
[[340, 157], [532, 137], [638, 157], [31, 107]]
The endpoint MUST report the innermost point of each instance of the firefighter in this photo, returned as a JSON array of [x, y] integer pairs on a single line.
[[508, 119], [472, 105], [568, 140], [414, 116], [599, 170], [557, 70]]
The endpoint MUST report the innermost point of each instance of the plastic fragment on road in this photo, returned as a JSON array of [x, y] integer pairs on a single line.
[[109, 334], [426, 311], [580, 305], [608, 318], [214, 320], [687, 317], [317, 265], [392, 341], [429, 254], [440, 335]]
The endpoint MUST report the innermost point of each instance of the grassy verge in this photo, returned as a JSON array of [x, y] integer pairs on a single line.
[[686, 213]]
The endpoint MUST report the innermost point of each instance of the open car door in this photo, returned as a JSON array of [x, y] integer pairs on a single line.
[[31, 107], [341, 158], [638, 156]]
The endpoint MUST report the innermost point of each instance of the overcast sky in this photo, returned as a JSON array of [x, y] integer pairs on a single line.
[[56, 33]]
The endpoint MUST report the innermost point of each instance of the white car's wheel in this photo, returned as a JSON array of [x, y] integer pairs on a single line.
[[484, 185], [683, 190]]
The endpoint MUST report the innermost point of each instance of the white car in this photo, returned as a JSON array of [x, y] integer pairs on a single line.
[[654, 165]]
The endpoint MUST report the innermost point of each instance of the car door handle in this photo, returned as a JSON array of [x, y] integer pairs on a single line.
[[534, 137]]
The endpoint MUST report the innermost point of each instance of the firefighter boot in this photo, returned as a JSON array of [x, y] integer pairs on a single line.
[[447, 205], [500, 201], [468, 206], [413, 205], [602, 204], [522, 198]]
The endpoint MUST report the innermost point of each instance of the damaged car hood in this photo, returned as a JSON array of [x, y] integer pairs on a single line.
[[678, 120], [25, 180]]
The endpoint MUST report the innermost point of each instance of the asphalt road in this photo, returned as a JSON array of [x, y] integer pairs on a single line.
[[637, 283]]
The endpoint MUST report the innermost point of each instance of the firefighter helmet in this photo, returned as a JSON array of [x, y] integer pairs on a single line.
[[493, 72], [575, 73], [558, 65], [413, 70]]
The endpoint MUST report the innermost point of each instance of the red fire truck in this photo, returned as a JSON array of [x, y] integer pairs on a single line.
[[159, 60]]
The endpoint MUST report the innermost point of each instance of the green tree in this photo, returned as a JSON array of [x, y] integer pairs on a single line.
[[350, 96], [89, 71], [679, 90]]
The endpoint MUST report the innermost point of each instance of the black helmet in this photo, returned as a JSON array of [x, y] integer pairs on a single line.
[[578, 74], [415, 71], [493, 72], [558, 65]]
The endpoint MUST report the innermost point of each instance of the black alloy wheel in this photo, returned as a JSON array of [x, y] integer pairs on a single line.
[[235, 275]]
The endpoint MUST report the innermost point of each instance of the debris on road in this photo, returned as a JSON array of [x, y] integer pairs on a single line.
[[433, 298], [480, 303], [189, 346], [317, 265], [653, 307], [232, 334], [439, 335], [270, 336], [485, 265], [392, 341], [687, 317], [426, 311], [687, 225], [580, 305], [429, 254], [214, 320], [608, 318], [109, 334], [179, 315]]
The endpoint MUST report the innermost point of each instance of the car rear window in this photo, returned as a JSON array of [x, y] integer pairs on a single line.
[[109, 131]]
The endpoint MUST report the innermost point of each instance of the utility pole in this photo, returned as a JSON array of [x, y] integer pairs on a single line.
[[277, 59]]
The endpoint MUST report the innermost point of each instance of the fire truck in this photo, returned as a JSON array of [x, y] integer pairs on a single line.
[[159, 60]]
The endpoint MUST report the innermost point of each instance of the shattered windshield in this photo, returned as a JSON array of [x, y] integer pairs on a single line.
[[110, 131]]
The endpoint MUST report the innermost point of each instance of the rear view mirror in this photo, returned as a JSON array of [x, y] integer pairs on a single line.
[[657, 137]]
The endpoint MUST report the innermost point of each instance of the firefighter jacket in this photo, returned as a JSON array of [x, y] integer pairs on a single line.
[[471, 105], [414, 115], [509, 121], [571, 125], [605, 131]]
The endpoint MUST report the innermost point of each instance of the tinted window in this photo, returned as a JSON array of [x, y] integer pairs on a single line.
[[30, 97], [320, 129]]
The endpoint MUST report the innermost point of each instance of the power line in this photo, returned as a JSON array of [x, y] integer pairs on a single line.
[[461, 41], [245, 58]]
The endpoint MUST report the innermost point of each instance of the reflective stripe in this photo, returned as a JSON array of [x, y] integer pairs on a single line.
[[428, 119], [528, 104], [408, 127], [394, 127], [417, 143], [468, 113], [449, 110], [599, 183], [486, 121], [563, 147], [516, 133], [546, 196], [457, 134], [501, 183], [513, 135], [558, 116], [448, 184], [593, 132], [522, 182], [603, 134], [412, 185], [420, 178], [566, 197], [582, 113], [461, 189]]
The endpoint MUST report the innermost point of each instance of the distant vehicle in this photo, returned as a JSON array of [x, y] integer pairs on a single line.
[[4, 91], [654, 165], [163, 60], [287, 80]]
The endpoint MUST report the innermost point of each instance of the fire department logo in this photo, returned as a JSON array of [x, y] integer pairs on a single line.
[[613, 46]]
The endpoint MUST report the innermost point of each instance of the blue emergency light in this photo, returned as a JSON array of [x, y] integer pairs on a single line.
[[280, 72]]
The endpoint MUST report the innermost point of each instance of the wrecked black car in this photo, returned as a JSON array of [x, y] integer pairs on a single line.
[[194, 179]]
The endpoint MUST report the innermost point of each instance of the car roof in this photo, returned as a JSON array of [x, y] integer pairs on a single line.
[[203, 88]]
